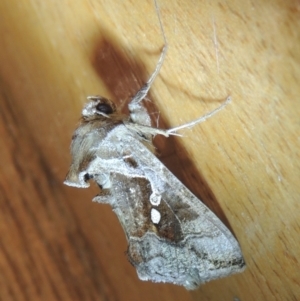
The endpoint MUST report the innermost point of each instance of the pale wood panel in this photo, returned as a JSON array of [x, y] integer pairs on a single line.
[[244, 163]]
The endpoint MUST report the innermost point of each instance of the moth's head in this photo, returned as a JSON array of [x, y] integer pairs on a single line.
[[98, 107], [99, 116]]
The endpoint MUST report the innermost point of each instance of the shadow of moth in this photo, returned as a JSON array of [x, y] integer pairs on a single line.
[[172, 236]]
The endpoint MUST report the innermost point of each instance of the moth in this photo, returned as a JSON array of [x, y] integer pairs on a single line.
[[172, 236]]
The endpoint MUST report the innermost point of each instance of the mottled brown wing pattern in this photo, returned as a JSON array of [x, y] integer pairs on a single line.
[[184, 243], [173, 237]]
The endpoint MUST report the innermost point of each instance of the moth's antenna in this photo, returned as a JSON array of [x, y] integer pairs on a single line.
[[141, 94], [160, 23], [164, 50], [199, 120]]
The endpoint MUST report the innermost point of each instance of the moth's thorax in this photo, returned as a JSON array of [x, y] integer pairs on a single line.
[[86, 142]]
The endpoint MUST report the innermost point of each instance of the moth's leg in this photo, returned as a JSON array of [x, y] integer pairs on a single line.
[[138, 112], [153, 131]]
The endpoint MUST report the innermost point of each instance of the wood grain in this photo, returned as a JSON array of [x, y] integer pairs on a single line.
[[55, 244]]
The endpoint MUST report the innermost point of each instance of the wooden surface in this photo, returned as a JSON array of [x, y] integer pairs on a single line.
[[55, 244]]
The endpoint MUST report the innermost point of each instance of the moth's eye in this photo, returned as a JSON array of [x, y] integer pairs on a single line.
[[87, 177], [104, 108]]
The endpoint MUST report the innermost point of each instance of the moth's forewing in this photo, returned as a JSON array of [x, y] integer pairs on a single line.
[[187, 244]]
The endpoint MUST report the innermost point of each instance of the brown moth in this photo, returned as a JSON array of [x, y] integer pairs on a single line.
[[173, 237]]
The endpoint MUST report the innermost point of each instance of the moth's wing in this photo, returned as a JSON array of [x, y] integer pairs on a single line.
[[189, 245], [183, 242]]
